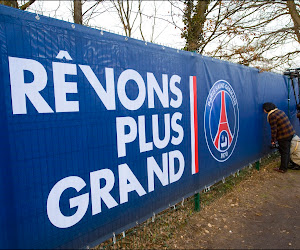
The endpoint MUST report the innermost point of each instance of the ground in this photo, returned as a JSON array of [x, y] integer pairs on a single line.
[[261, 211]]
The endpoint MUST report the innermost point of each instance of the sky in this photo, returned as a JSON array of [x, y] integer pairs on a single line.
[[106, 18]]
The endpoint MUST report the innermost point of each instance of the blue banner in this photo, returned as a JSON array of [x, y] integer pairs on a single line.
[[100, 131]]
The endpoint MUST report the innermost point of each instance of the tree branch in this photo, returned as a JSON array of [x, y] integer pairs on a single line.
[[26, 5]]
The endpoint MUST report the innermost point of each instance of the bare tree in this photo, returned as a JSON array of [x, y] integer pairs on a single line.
[[295, 17], [260, 34], [126, 14], [206, 22], [269, 36], [152, 16], [77, 13], [83, 15], [14, 3]]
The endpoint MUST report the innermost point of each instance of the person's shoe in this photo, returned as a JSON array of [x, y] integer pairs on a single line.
[[279, 170], [293, 166]]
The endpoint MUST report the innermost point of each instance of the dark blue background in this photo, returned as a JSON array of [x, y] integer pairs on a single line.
[[37, 150]]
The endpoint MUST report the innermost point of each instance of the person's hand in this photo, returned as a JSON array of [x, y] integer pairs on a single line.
[[274, 145]]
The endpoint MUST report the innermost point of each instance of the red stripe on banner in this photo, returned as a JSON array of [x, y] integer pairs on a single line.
[[196, 125]]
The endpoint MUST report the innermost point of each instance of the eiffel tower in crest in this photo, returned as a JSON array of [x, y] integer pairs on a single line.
[[224, 136]]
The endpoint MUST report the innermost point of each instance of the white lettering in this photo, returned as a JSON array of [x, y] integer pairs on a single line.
[[177, 128], [103, 181], [152, 85], [152, 167], [224, 155], [125, 76], [20, 89], [62, 88], [172, 156], [144, 146], [176, 91], [82, 201], [128, 183], [98, 194], [157, 142], [123, 138], [107, 97]]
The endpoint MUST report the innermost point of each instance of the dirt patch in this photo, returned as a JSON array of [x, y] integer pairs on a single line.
[[257, 210], [261, 212]]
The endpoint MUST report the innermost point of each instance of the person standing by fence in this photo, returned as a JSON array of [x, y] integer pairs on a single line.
[[282, 132]]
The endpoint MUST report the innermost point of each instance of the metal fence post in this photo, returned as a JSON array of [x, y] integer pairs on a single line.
[[197, 202], [257, 165]]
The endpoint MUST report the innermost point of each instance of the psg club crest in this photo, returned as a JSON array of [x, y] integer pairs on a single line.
[[221, 120]]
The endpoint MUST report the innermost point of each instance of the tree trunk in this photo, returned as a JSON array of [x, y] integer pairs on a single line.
[[295, 17], [194, 19], [14, 4], [11, 3], [77, 11], [26, 5]]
